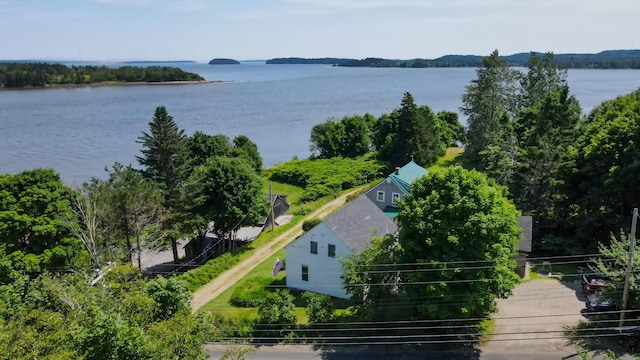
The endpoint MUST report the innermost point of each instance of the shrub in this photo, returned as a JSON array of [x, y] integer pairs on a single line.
[[320, 309], [197, 277], [252, 292], [325, 177], [310, 224]]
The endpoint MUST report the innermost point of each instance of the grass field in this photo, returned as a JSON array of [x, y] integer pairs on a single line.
[[450, 158]]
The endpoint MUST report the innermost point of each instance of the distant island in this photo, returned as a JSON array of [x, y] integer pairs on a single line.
[[39, 75], [610, 59], [297, 60], [159, 62], [221, 61]]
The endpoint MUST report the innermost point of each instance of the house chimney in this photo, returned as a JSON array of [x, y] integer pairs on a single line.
[[397, 170]]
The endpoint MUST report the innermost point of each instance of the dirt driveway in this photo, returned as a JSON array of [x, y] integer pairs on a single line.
[[530, 323], [221, 283]]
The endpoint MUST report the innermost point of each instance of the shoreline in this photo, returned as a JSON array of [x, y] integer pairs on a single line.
[[135, 83]]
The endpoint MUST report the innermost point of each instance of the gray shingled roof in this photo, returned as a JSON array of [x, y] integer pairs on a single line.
[[358, 221], [526, 224]]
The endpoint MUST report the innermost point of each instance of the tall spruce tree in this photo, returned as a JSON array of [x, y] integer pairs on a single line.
[[408, 132], [491, 96], [163, 159]]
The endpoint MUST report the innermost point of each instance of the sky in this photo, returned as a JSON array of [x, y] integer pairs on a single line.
[[200, 30]]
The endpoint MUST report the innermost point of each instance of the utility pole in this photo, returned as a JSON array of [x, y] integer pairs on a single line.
[[632, 243], [271, 201]]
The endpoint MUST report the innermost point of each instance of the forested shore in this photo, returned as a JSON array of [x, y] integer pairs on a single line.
[[38, 75], [611, 59]]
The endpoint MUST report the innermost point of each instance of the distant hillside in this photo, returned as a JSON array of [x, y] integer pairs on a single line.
[[221, 61], [158, 62], [296, 60], [611, 59]]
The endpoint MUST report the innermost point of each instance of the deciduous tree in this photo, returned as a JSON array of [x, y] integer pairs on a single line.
[[34, 206], [453, 220], [136, 204], [348, 137], [226, 192], [602, 179]]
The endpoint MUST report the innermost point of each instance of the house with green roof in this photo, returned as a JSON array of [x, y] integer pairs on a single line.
[[387, 193]]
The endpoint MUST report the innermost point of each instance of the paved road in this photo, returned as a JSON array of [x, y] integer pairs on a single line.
[[225, 280], [310, 352], [528, 325]]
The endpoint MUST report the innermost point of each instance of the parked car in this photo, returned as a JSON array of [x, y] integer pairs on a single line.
[[595, 302]]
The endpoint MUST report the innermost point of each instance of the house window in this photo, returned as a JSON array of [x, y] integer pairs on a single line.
[[380, 196], [314, 247], [305, 273], [332, 250], [395, 197]]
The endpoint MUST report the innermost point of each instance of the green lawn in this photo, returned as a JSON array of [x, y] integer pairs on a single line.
[[293, 192], [222, 306], [451, 158]]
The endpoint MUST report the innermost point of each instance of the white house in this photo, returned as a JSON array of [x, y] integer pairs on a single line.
[[386, 193], [313, 260]]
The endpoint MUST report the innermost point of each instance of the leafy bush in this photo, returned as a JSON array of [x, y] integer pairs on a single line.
[[325, 177], [309, 224], [320, 309], [252, 292], [197, 277]]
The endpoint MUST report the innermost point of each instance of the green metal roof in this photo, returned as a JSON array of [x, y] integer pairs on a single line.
[[407, 175]]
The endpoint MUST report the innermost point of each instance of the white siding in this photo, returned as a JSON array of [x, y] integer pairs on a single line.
[[324, 272]]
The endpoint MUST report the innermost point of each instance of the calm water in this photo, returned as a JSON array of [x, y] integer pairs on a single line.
[[80, 131]]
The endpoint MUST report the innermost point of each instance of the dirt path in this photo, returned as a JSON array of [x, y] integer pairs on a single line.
[[221, 283]]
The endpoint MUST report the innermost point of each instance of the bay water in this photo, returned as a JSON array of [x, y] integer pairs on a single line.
[[80, 131]]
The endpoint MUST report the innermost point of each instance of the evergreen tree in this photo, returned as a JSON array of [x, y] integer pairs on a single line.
[[491, 96], [406, 133], [163, 160], [226, 192]]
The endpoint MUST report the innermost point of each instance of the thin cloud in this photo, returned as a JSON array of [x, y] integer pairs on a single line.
[[50, 15], [189, 6], [124, 2], [362, 4]]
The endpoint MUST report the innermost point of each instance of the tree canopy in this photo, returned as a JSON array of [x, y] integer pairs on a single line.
[[349, 137], [63, 317], [602, 176], [225, 191], [408, 133], [453, 218], [34, 234]]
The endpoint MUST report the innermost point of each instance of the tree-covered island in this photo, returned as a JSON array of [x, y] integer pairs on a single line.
[[37, 75], [610, 59], [222, 61]]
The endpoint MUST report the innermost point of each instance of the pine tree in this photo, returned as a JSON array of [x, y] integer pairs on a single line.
[[163, 160], [486, 102], [408, 133]]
